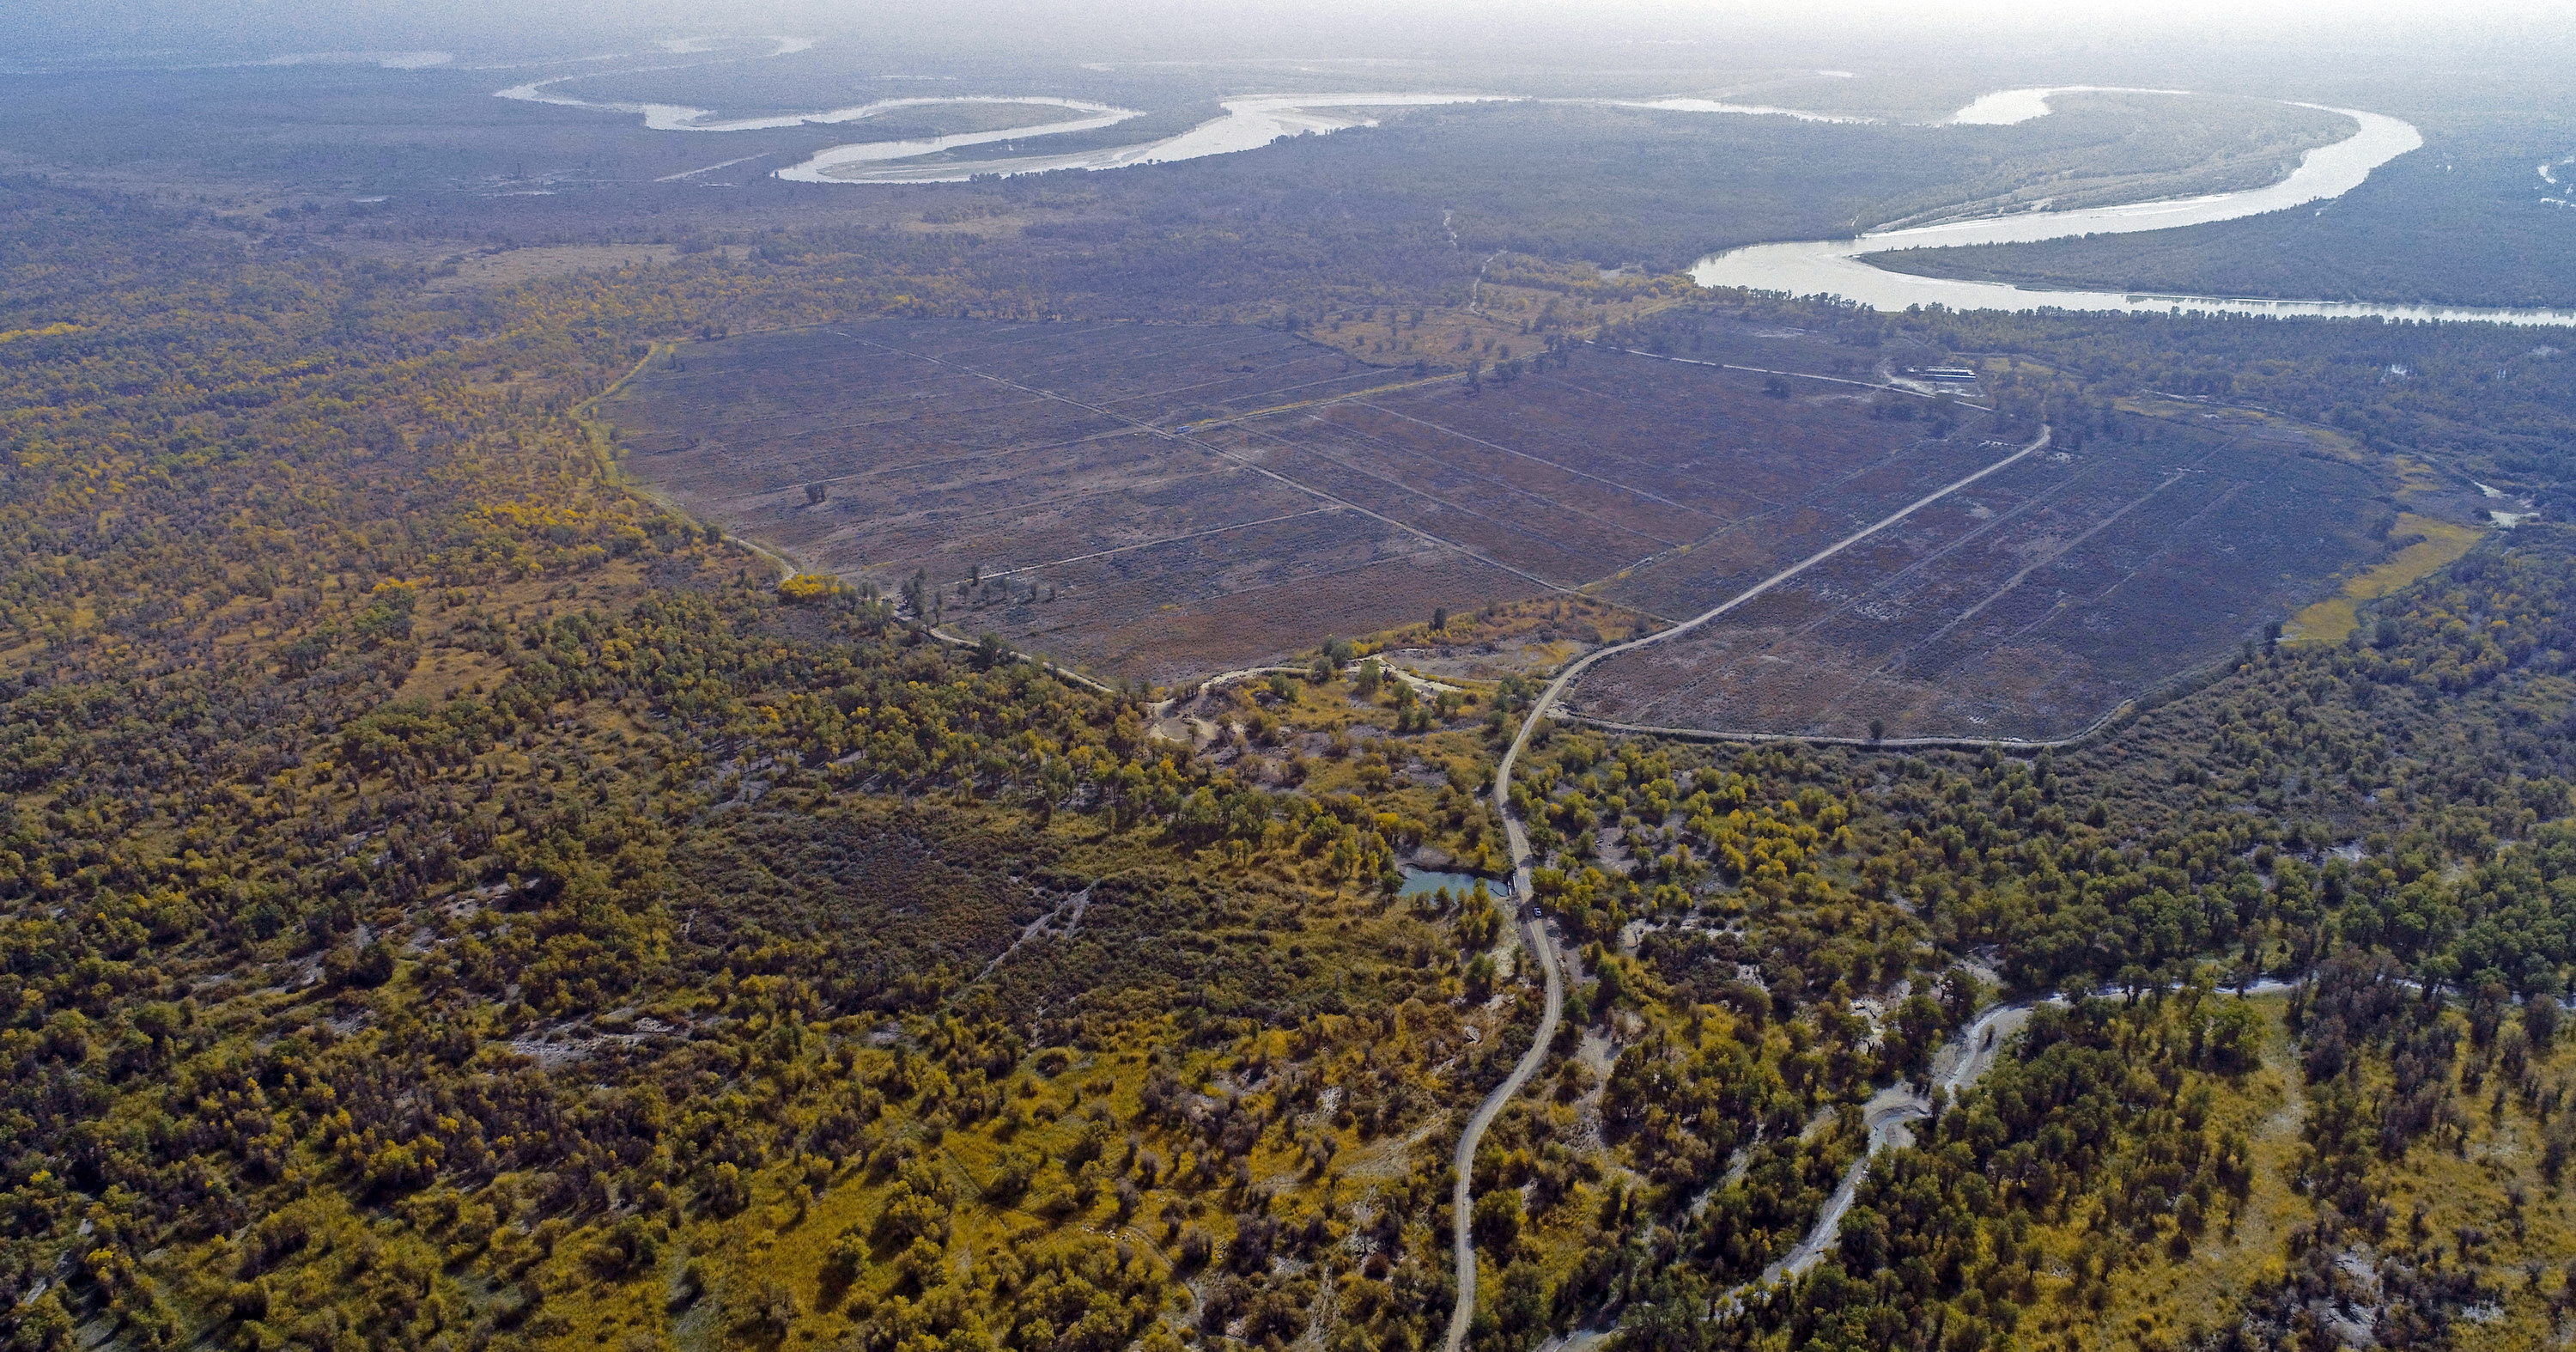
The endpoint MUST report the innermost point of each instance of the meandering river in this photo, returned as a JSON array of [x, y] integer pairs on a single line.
[[1246, 124], [1843, 268]]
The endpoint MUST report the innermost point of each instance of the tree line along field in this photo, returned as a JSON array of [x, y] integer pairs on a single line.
[[1163, 502], [452, 904]]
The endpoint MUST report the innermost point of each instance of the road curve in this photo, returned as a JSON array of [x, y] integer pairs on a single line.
[[1534, 937], [1889, 1111], [1533, 929], [1977, 1046]]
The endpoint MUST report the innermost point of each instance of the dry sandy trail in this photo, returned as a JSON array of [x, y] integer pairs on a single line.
[[1533, 929]]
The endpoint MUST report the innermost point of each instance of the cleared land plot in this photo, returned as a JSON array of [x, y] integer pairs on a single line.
[[1618, 464], [1776, 347], [1165, 502], [1042, 463], [2029, 605], [1098, 484]]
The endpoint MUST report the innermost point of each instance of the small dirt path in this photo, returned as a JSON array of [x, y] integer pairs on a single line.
[[1534, 930]]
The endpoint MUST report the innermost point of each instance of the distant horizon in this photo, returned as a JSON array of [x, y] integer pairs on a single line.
[[1453, 29], [1172, 676]]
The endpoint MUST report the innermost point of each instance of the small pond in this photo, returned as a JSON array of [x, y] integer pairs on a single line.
[[1421, 881]]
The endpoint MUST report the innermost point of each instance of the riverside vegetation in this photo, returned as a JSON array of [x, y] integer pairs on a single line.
[[453, 903]]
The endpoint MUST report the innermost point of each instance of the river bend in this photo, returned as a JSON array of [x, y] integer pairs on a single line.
[[1842, 268]]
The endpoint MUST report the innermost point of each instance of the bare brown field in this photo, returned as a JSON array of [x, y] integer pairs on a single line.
[[1164, 501], [1040, 467], [2030, 604], [483, 268]]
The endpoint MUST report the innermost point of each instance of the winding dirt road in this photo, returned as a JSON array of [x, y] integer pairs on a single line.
[[1533, 930], [1890, 1111]]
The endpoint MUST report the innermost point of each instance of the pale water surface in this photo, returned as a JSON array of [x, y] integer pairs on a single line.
[[1246, 124], [1420, 882], [1840, 267], [2005, 107]]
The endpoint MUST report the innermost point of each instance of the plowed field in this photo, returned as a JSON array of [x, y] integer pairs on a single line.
[[1165, 501]]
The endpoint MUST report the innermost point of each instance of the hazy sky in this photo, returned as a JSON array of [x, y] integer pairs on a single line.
[[1257, 26]]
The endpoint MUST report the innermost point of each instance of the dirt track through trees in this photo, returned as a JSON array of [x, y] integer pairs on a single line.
[[1524, 898]]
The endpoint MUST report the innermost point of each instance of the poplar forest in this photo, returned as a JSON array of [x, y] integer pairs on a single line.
[[492, 861]]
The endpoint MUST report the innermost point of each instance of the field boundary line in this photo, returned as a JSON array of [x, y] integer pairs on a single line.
[[1055, 669], [1228, 419], [1902, 655], [585, 416], [1166, 540], [1802, 375], [1370, 440], [2095, 729], [1582, 663], [2023, 573], [1875, 674], [1405, 489], [1171, 434], [653, 349], [2048, 616], [2153, 696], [1770, 509], [709, 169], [1902, 577], [789, 568], [1604, 481], [1525, 897], [601, 434]]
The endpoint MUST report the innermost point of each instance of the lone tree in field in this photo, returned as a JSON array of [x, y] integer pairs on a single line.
[[816, 493], [1440, 619]]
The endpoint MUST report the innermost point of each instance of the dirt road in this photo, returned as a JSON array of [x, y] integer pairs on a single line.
[[1533, 931]]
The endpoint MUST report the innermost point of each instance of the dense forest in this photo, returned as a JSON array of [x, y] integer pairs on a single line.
[[451, 902], [2389, 813]]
